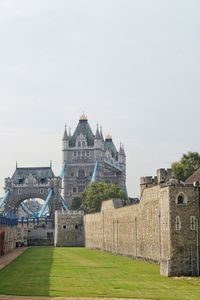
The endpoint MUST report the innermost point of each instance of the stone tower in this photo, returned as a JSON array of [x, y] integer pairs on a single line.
[[81, 151]]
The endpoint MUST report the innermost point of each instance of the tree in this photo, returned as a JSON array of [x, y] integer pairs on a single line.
[[96, 192], [76, 203], [186, 166]]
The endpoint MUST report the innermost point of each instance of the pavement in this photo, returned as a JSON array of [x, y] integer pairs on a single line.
[[10, 256]]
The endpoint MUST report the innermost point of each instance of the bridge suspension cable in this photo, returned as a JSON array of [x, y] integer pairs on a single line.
[[95, 171], [4, 198], [40, 213]]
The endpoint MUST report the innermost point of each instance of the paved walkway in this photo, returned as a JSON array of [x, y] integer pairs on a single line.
[[6, 259]]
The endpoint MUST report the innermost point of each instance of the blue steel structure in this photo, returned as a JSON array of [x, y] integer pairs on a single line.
[[95, 171], [4, 198], [40, 213]]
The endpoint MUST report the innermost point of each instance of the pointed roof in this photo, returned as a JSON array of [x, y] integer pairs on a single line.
[[101, 133], [83, 128], [97, 135], [65, 135], [109, 145], [121, 149], [194, 177]]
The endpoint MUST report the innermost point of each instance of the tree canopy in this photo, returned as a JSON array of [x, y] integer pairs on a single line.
[[186, 166], [96, 192], [76, 203]]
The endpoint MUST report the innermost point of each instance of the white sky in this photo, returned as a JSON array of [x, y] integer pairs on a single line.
[[131, 65]]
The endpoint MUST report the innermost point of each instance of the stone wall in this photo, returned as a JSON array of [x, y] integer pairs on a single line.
[[148, 230], [184, 242], [36, 232], [130, 230], [69, 230], [8, 235], [10, 238]]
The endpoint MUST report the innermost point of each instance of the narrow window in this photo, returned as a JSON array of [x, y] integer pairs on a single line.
[[19, 192], [192, 222], [178, 223], [41, 191], [74, 153]]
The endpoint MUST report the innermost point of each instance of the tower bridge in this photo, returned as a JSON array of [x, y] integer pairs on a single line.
[[27, 183]]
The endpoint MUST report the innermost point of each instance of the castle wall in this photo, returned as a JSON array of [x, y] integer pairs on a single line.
[[158, 228], [131, 230], [69, 230], [185, 242], [8, 238], [36, 232]]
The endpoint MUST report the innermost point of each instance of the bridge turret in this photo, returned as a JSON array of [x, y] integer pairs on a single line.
[[65, 139], [98, 140]]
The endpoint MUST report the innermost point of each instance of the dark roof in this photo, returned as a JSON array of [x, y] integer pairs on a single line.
[[98, 135], [37, 172], [121, 150], [84, 128], [109, 145], [194, 177], [65, 135]]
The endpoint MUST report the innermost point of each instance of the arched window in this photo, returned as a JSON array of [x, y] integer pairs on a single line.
[[79, 144], [181, 199], [178, 223]]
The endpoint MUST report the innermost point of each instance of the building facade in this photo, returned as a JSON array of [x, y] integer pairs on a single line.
[[89, 157]]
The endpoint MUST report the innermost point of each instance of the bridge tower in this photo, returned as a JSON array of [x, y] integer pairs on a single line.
[[27, 183], [85, 153]]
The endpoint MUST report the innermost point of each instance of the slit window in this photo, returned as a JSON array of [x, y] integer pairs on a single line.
[[178, 223], [192, 222]]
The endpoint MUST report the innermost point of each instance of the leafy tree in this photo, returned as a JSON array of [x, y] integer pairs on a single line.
[[76, 203], [96, 192], [186, 166]]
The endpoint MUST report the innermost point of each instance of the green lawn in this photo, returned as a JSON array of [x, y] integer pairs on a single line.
[[50, 271]]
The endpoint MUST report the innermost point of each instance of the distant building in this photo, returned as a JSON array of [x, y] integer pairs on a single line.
[[84, 150]]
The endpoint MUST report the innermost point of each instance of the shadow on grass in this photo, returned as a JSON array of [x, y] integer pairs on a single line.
[[80, 272], [28, 274]]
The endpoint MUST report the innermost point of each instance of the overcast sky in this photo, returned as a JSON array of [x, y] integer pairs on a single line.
[[133, 66]]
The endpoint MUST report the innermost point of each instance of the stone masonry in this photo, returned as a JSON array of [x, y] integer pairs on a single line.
[[69, 230], [162, 227]]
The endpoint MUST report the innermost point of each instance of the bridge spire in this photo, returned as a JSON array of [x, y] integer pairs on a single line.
[[97, 135], [65, 136]]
